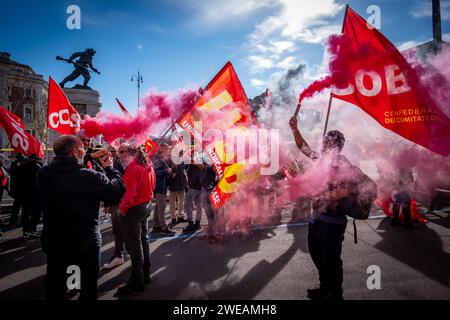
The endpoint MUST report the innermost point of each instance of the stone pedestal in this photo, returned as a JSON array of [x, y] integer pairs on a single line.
[[87, 102]]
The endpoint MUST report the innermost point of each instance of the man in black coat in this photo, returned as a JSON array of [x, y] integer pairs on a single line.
[[31, 204], [15, 188], [71, 196]]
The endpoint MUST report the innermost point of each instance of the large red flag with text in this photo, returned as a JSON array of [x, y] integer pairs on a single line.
[[62, 116], [14, 117], [383, 84], [20, 139], [223, 106]]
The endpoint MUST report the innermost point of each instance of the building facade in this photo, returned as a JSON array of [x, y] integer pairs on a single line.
[[25, 93]]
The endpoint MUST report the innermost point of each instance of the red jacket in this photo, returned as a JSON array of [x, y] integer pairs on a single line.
[[139, 183]]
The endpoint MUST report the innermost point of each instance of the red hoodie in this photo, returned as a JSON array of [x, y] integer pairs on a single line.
[[139, 183]]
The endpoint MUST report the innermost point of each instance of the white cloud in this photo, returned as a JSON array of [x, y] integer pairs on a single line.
[[422, 9], [260, 63], [287, 63], [258, 84], [299, 20], [140, 47], [212, 12], [408, 45], [275, 43]]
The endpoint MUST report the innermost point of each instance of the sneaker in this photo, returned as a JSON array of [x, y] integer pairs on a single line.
[[181, 220], [192, 226], [168, 233], [316, 293], [129, 289], [114, 262], [174, 221], [156, 229]]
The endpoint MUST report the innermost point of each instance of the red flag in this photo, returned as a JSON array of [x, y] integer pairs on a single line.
[[14, 117], [62, 116], [20, 139], [150, 147], [124, 110], [223, 105], [383, 84], [115, 144]]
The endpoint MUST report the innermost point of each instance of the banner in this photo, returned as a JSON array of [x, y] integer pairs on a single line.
[[20, 139], [223, 106], [150, 147], [383, 84], [62, 116]]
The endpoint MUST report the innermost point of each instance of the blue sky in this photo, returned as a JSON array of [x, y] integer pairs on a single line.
[[178, 44]]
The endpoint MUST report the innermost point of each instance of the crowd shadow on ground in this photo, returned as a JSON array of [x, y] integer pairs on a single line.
[[420, 248], [190, 268], [19, 259]]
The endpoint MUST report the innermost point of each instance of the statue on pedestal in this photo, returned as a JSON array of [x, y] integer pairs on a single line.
[[82, 66]]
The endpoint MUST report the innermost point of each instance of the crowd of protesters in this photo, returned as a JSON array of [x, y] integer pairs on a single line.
[[71, 190]]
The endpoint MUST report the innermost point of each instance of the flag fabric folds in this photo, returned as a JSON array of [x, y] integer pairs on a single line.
[[20, 139], [223, 106], [383, 84], [62, 116]]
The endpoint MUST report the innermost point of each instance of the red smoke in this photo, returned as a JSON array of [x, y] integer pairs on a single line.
[[157, 108], [343, 53]]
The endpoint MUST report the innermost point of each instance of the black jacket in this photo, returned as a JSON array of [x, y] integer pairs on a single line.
[[26, 177], [194, 174], [179, 181], [162, 175], [15, 190], [71, 196], [208, 179], [94, 162]]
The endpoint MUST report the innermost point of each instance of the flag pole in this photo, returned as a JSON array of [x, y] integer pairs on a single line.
[[331, 95], [328, 115]]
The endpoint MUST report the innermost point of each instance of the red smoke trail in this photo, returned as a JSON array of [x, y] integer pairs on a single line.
[[343, 53], [158, 107]]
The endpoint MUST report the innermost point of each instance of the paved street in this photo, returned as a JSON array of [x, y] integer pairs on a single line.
[[273, 263]]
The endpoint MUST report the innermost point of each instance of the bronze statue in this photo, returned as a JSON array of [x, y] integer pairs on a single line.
[[82, 66]]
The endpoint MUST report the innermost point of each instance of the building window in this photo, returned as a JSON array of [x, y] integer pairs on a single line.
[[27, 113], [28, 93]]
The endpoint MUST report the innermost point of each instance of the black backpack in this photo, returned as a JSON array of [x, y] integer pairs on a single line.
[[365, 191]]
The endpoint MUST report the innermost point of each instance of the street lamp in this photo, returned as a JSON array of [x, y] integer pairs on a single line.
[[138, 78]]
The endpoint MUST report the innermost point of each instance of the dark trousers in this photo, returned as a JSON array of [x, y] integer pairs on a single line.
[[17, 204], [135, 234], [56, 278], [31, 213], [117, 231], [325, 247]]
